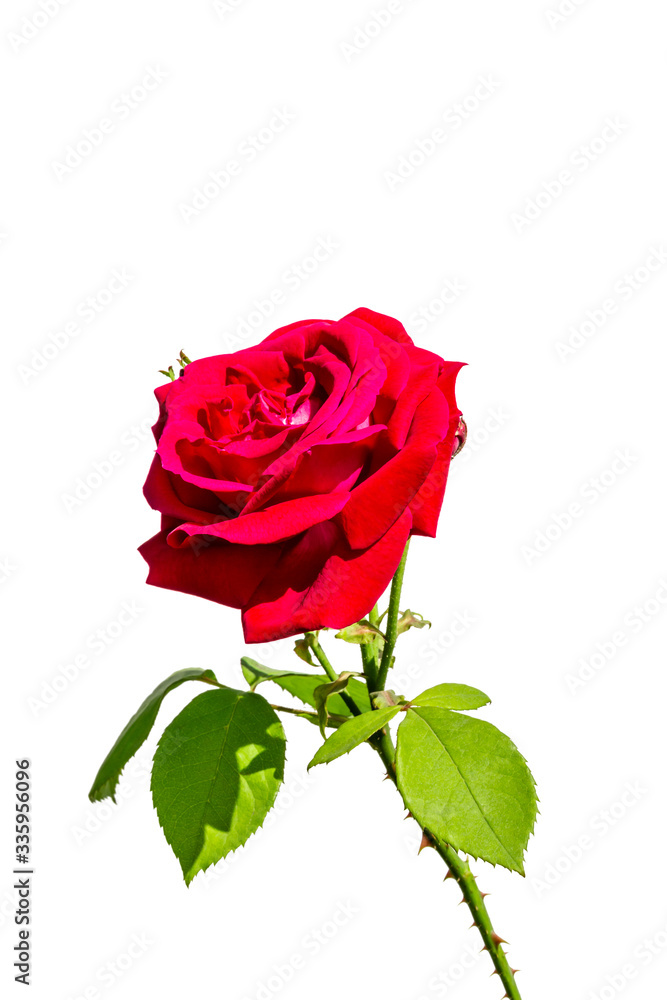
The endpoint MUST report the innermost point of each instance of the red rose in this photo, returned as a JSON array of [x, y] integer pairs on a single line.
[[290, 475]]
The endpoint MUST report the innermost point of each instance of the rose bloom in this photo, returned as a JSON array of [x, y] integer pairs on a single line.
[[290, 475]]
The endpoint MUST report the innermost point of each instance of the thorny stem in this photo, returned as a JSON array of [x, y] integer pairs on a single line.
[[460, 871], [458, 868]]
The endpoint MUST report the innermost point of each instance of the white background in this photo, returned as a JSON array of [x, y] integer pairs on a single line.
[[546, 429]]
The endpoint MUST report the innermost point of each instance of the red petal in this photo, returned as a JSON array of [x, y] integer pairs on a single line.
[[321, 582], [378, 501], [227, 574], [283, 520]]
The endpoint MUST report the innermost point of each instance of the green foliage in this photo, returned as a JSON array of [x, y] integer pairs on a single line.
[[457, 696], [467, 784], [352, 733], [322, 694], [216, 774], [136, 732], [303, 686]]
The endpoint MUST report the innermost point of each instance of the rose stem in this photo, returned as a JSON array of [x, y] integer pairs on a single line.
[[313, 642], [392, 621], [458, 869]]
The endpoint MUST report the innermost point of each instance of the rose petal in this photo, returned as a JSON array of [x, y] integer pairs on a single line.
[[283, 520], [427, 502], [220, 572], [379, 500], [321, 582]]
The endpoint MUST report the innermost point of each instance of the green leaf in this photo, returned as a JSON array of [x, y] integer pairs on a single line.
[[302, 686], [323, 692], [255, 672], [352, 733], [466, 783], [457, 696], [216, 774], [136, 732]]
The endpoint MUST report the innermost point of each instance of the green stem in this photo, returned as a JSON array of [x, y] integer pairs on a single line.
[[323, 659], [460, 871], [392, 621]]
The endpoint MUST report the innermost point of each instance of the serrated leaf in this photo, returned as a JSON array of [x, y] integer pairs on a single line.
[[456, 696], [322, 694], [465, 782], [136, 732], [216, 774], [302, 686], [352, 733]]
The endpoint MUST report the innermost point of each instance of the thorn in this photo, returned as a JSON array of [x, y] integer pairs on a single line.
[[448, 875], [409, 815], [484, 894], [497, 940], [426, 842], [514, 971]]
